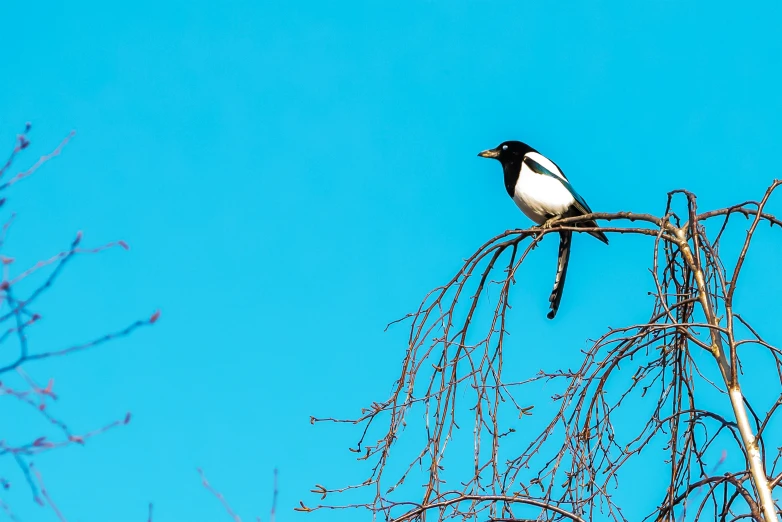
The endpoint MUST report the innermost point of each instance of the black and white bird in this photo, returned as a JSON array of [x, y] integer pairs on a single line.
[[540, 189]]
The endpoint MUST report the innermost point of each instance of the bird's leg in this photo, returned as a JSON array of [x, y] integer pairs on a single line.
[[548, 223]]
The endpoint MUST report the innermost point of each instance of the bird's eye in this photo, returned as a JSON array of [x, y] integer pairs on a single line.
[[504, 147]]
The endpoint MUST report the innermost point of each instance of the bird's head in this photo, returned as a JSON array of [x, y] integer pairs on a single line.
[[507, 152]]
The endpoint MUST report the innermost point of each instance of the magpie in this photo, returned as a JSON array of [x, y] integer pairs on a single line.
[[540, 189]]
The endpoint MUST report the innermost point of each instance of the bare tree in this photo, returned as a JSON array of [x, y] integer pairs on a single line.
[[638, 423], [20, 290]]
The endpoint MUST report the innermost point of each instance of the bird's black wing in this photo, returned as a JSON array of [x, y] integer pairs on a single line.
[[580, 205]]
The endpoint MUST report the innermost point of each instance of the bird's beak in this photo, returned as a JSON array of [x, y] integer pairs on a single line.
[[490, 153]]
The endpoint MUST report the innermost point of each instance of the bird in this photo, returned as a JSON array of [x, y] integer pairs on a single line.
[[543, 193]]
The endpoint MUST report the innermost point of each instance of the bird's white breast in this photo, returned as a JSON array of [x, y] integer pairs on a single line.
[[538, 195]]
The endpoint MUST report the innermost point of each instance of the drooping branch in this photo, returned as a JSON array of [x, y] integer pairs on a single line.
[[568, 466]]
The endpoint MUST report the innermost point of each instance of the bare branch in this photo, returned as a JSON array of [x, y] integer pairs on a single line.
[[504, 460]]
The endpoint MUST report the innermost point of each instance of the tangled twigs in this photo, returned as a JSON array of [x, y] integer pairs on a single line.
[[640, 389]]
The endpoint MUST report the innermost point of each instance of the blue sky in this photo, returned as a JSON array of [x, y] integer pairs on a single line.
[[292, 176]]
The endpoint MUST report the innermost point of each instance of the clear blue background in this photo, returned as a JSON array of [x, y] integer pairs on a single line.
[[291, 176]]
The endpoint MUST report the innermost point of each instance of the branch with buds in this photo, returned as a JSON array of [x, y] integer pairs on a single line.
[[20, 291]]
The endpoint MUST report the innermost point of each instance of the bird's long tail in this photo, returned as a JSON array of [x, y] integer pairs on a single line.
[[565, 238]]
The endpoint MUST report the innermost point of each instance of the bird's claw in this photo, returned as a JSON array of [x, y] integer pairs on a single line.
[[547, 224]]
